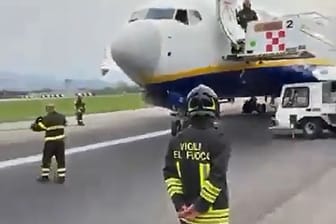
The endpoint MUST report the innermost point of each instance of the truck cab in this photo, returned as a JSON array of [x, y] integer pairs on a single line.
[[309, 107]]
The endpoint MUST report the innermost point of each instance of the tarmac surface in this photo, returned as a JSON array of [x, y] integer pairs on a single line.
[[271, 180]]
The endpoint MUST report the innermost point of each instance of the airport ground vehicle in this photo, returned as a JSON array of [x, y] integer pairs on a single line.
[[309, 107]]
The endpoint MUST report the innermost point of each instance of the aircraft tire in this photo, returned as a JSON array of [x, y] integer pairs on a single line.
[[312, 128], [247, 108], [175, 127], [261, 108]]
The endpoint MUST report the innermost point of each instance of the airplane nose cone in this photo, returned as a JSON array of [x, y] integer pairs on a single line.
[[137, 50]]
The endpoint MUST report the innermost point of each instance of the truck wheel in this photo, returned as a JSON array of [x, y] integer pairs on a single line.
[[312, 128], [332, 129], [175, 127]]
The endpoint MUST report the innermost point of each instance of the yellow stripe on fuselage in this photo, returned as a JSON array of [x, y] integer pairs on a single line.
[[237, 66]]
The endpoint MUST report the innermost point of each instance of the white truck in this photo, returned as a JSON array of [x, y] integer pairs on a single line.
[[309, 107]]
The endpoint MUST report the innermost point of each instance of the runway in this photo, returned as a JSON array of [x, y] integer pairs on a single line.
[[271, 181]]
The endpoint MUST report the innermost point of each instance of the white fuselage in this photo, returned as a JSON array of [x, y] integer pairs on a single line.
[[165, 55]]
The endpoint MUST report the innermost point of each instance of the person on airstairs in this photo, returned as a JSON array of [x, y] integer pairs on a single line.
[[244, 16]]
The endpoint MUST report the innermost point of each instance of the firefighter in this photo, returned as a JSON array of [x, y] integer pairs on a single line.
[[53, 124], [246, 15], [80, 110], [196, 163]]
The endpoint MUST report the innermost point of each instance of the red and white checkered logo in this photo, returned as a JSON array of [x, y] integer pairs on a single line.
[[274, 39]]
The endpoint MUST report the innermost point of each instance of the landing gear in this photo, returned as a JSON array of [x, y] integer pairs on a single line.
[[178, 123], [175, 127], [252, 105]]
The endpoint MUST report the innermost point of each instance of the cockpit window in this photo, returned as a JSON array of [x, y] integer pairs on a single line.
[[182, 16], [160, 14], [138, 15], [194, 17]]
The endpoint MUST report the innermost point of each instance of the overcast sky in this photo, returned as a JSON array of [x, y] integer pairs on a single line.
[[67, 37]]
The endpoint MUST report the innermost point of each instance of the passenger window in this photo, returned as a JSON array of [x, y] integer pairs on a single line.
[[182, 16], [296, 98], [194, 17]]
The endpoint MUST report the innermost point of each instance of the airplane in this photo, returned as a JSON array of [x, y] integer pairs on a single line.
[[170, 46]]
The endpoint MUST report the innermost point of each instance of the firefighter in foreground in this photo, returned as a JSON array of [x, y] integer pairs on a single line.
[[53, 124], [196, 163], [80, 110]]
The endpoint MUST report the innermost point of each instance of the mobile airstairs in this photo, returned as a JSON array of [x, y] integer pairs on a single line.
[[302, 35]]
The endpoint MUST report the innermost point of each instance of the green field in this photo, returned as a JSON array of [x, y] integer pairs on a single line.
[[30, 109]]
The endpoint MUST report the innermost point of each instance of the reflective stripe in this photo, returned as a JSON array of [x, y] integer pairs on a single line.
[[218, 216], [45, 174], [55, 127], [174, 186], [178, 167], [61, 170], [45, 169], [207, 221], [174, 190], [211, 188], [204, 170], [41, 125], [209, 192], [61, 174], [173, 181], [201, 174], [54, 138], [207, 196]]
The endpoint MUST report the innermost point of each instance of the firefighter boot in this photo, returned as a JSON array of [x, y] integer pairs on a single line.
[[80, 119], [60, 180], [42, 179]]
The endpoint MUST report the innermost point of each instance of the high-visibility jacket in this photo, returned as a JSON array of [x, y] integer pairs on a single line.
[[195, 172], [80, 106], [53, 124]]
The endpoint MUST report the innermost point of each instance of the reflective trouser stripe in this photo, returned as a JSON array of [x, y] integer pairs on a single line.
[[54, 138], [61, 172], [45, 172]]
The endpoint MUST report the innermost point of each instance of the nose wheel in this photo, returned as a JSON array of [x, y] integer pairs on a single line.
[[178, 123], [175, 127]]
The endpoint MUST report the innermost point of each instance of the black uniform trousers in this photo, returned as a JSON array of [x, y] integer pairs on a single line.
[[54, 148], [79, 116]]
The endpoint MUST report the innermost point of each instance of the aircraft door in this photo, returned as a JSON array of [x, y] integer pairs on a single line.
[[227, 18]]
